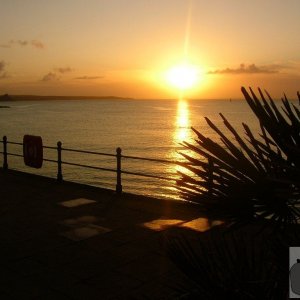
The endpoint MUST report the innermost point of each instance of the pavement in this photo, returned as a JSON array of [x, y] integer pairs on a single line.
[[72, 241]]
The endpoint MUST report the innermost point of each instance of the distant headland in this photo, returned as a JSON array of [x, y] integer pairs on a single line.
[[7, 97]]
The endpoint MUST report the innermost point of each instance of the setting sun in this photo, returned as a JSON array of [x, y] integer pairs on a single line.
[[183, 76]]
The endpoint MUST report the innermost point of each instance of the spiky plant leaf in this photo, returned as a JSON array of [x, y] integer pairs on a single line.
[[246, 178]]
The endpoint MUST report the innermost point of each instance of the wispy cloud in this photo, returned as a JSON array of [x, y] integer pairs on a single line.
[[20, 42], [23, 43], [5, 46], [250, 69], [50, 77], [64, 70], [89, 77], [55, 76], [37, 44]]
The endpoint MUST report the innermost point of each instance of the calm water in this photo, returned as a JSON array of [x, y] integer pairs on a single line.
[[146, 128]]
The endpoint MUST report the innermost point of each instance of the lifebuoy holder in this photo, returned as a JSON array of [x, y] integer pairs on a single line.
[[33, 151]]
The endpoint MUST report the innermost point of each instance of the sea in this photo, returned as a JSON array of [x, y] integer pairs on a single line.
[[152, 129]]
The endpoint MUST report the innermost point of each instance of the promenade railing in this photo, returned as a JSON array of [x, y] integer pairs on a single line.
[[118, 156]]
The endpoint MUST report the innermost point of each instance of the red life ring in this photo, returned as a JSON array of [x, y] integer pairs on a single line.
[[33, 151]]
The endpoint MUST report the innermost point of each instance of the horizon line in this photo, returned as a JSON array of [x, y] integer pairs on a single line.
[[10, 97]]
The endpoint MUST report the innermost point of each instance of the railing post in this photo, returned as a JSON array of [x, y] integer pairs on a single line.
[[59, 170], [5, 164], [119, 182]]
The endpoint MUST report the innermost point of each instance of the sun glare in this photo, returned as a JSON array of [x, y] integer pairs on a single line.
[[183, 76]]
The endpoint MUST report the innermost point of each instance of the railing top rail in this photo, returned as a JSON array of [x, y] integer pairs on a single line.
[[50, 147], [13, 143], [21, 144], [88, 152]]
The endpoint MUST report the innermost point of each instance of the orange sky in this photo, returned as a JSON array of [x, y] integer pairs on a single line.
[[125, 47]]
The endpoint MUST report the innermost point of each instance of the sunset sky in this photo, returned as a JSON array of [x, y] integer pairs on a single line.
[[126, 47]]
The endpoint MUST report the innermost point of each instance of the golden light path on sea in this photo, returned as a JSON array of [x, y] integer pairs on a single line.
[[182, 132]]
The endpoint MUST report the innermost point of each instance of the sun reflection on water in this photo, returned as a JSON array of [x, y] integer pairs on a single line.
[[182, 132], [182, 122]]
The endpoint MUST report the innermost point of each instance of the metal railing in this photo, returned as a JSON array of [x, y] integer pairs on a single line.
[[118, 156]]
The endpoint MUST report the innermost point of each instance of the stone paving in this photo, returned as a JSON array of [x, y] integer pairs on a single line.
[[71, 241]]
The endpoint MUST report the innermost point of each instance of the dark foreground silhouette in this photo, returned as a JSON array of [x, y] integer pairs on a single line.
[[252, 184]]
